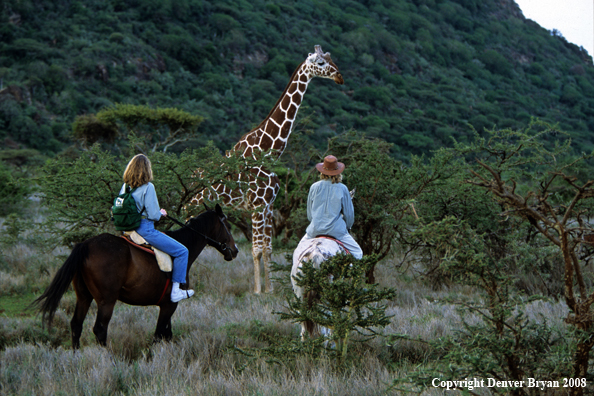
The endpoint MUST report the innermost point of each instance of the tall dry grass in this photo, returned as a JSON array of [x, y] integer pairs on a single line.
[[202, 358]]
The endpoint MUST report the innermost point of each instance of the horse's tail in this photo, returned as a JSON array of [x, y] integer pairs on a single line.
[[50, 299]]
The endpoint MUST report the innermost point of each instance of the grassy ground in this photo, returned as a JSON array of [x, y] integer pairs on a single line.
[[208, 329], [16, 305]]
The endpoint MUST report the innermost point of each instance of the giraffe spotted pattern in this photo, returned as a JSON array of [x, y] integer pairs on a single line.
[[259, 188]]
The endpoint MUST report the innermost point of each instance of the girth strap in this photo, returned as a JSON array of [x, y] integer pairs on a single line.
[[164, 291]]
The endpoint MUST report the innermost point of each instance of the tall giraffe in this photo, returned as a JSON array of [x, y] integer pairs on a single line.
[[270, 137]]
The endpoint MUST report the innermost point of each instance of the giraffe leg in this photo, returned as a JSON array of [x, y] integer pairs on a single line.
[[257, 235], [267, 249], [257, 285]]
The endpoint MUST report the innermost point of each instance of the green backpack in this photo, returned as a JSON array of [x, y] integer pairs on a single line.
[[124, 211]]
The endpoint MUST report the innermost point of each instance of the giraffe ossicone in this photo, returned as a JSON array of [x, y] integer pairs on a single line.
[[270, 137]]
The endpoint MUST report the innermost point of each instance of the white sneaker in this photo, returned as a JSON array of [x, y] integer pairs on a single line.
[[178, 294]]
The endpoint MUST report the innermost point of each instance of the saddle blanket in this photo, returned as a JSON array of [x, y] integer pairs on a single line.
[[317, 250], [163, 259]]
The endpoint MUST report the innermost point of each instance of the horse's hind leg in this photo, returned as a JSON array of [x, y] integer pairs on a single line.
[[83, 302], [104, 312], [163, 330]]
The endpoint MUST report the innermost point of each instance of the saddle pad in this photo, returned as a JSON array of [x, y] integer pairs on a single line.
[[317, 250], [163, 259]]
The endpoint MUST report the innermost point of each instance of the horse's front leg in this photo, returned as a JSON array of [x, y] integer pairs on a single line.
[[163, 330]]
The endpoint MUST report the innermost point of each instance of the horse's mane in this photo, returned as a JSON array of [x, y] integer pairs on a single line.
[[185, 235]]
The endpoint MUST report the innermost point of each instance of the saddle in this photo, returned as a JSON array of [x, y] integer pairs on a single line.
[[163, 259], [335, 240]]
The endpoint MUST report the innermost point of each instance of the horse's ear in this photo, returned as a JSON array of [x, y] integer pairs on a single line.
[[205, 206], [219, 210]]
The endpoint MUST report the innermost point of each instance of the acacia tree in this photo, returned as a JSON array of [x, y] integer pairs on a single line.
[[148, 130], [504, 344], [519, 203], [542, 183], [345, 302], [79, 190], [387, 190]]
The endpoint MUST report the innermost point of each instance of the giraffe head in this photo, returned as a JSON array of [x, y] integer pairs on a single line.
[[319, 64]]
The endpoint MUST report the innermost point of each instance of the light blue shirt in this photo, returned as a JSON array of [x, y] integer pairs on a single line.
[[146, 197], [329, 209]]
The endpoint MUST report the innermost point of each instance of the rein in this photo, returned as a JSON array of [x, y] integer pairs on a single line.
[[216, 244]]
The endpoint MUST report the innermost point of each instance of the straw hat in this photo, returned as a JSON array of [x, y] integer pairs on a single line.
[[330, 166]]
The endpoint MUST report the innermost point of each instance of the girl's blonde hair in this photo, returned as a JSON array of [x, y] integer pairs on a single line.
[[333, 178], [138, 171]]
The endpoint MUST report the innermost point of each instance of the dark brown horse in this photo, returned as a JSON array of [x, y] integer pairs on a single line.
[[106, 268]]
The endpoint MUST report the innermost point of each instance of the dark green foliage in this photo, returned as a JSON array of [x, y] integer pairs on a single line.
[[347, 303], [90, 130], [14, 191], [523, 349], [79, 191], [422, 68], [531, 222], [149, 129], [496, 63]]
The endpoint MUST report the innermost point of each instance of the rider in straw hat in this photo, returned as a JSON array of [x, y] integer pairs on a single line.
[[330, 208]]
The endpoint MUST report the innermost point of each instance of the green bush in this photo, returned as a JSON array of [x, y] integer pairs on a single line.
[[55, 79], [376, 96], [79, 191], [116, 37], [496, 63], [571, 96], [14, 191], [347, 303], [223, 23]]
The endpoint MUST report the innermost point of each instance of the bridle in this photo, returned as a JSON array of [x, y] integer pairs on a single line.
[[221, 246]]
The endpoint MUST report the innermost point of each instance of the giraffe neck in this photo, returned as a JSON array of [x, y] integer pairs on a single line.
[[273, 132]]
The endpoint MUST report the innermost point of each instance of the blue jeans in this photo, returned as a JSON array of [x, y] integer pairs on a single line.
[[176, 250]]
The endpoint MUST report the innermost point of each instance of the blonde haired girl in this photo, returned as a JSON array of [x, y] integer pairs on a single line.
[[138, 175]]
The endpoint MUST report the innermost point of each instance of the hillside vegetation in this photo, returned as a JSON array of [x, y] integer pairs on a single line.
[[417, 72]]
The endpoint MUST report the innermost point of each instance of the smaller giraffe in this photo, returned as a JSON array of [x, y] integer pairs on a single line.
[[259, 188]]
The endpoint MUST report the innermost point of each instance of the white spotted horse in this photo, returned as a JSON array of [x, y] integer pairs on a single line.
[[315, 250]]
